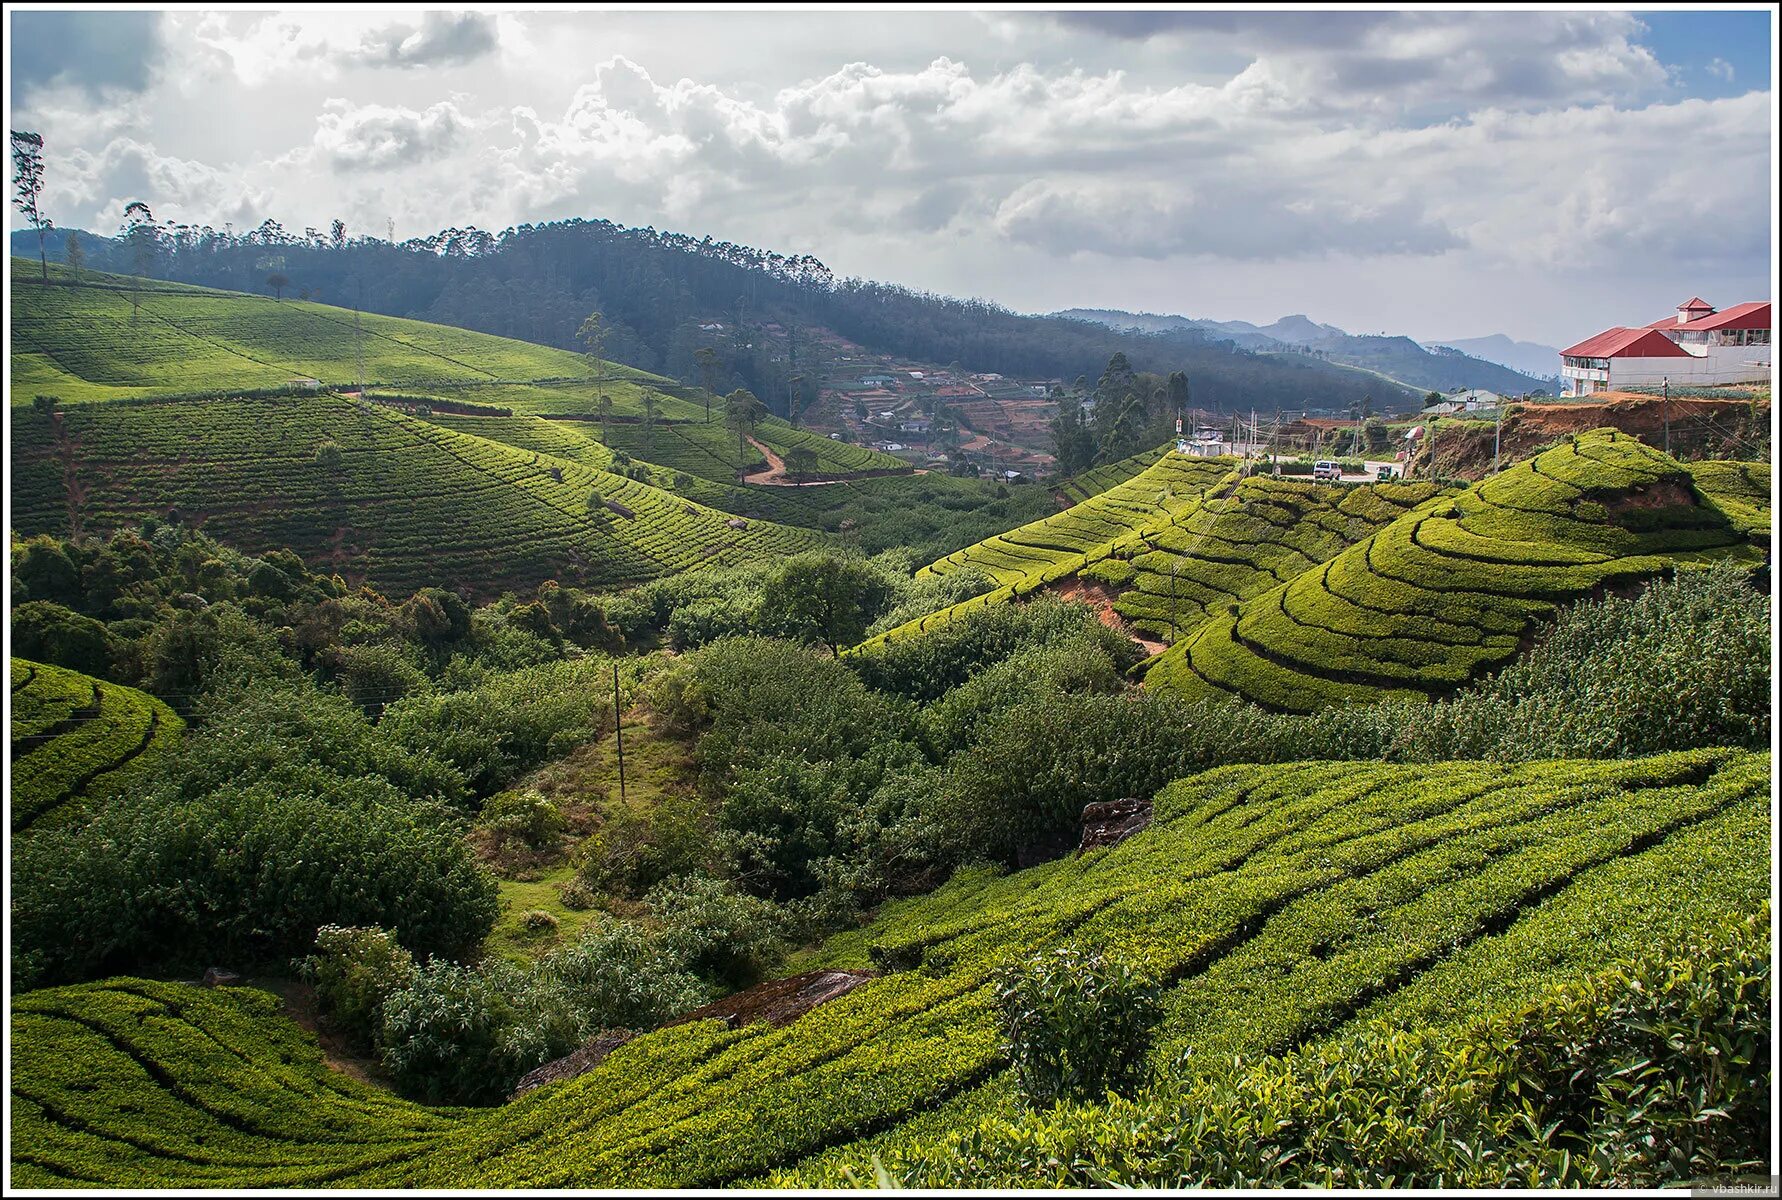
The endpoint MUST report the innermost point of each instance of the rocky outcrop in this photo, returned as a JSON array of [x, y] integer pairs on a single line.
[[779, 1001], [578, 1062], [1111, 822]]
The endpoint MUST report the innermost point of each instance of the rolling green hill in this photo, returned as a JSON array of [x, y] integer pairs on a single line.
[[408, 503], [105, 339], [1280, 907], [1447, 591], [74, 737], [113, 337]]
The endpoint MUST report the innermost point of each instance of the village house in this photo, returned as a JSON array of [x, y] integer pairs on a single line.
[[1696, 346]]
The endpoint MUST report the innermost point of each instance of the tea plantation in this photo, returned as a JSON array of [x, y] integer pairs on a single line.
[[368, 492], [74, 737], [1447, 591], [1279, 908]]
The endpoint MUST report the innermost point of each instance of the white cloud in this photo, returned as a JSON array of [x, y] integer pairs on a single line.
[[1033, 159], [1719, 68], [374, 136]]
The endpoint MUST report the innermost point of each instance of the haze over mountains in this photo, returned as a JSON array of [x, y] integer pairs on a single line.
[[1495, 363]]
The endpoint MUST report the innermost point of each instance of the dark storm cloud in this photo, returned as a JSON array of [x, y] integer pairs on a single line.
[[98, 51]]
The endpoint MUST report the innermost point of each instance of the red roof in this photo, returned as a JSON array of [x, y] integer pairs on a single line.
[[1626, 343], [1695, 304], [1755, 315]]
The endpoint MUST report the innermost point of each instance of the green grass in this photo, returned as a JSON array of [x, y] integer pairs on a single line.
[[76, 738], [1447, 592], [413, 503], [89, 342], [1280, 906]]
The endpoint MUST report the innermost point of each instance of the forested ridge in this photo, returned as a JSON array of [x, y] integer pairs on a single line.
[[657, 288]]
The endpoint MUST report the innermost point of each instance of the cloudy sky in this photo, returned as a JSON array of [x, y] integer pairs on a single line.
[[1536, 173]]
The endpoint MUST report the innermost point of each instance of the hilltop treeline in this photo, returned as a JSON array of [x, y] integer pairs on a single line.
[[656, 289]]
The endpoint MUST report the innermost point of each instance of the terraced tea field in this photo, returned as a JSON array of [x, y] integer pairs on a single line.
[[1058, 547], [1280, 907], [1079, 488], [1447, 591], [411, 502], [1233, 545], [74, 737]]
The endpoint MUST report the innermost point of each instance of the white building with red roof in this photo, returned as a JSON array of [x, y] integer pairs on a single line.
[[1696, 346]]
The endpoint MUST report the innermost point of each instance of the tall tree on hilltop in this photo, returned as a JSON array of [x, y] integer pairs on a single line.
[[1178, 392], [742, 412], [74, 255], [144, 239], [27, 188], [593, 335], [707, 358]]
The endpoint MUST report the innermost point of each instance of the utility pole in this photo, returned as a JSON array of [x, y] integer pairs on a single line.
[[1497, 439], [618, 732], [1667, 414]]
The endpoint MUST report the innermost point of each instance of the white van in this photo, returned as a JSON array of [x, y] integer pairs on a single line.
[[1326, 468]]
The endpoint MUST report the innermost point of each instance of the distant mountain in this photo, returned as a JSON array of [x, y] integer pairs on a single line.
[[1530, 358], [1437, 368]]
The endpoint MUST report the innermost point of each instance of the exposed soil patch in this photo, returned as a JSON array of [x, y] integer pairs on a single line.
[[300, 1005], [1698, 429], [1101, 598], [776, 474]]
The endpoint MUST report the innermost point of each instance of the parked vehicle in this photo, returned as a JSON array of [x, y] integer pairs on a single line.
[[1326, 469]]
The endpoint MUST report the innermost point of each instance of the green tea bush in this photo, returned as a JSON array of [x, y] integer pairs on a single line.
[[1652, 1072], [1077, 1025]]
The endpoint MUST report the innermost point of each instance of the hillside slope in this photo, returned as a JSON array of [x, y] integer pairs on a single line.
[[1279, 906], [1448, 591], [74, 737], [401, 503]]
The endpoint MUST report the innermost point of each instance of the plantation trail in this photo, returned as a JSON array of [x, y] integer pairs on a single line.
[[776, 475], [1101, 599]]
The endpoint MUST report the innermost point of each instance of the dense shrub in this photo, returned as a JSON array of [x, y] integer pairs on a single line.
[[506, 724], [523, 815], [1073, 663], [457, 1034], [353, 970], [714, 930], [926, 667], [47, 632], [637, 847], [1076, 1024], [241, 876]]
